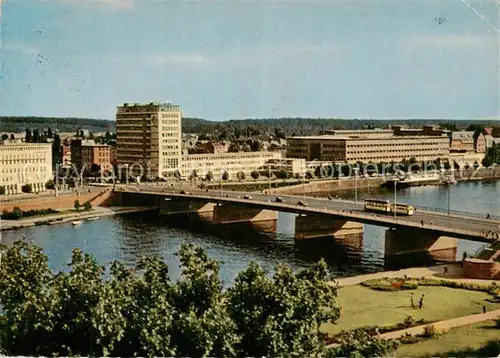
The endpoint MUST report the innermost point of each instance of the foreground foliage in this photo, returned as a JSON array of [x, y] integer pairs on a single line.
[[89, 311]]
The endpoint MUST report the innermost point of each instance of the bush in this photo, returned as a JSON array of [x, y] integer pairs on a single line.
[[87, 206], [50, 185], [255, 175], [27, 188], [76, 205], [390, 284], [17, 213], [430, 331]]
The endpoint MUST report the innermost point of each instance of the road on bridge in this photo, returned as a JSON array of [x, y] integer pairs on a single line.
[[430, 219]]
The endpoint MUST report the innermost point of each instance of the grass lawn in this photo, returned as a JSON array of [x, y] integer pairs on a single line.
[[362, 306], [458, 342]]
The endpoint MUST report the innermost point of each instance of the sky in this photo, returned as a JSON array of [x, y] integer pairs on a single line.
[[224, 60]]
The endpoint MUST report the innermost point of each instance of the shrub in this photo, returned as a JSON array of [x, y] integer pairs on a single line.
[[27, 188], [76, 204], [87, 206], [50, 184], [430, 331]]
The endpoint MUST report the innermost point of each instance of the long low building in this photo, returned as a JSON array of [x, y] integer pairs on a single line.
[[24, 163], [366, 149], [200, 165]]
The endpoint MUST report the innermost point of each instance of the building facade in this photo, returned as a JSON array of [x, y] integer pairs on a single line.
[[367, 148], [24, 163], [199, 165], [462, 141], [149, 138], [85, 152]]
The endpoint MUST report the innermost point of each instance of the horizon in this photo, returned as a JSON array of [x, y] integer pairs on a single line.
[[221, 61]]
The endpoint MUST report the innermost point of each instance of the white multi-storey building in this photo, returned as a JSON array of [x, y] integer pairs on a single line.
[[24, 163], [149, 138]]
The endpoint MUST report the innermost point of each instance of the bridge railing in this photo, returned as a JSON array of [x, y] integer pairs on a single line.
[[459, 213]]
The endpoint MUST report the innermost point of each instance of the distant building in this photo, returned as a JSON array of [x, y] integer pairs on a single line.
[[373, 146], [149, 138], [462, 141], [232, 163], [24, 163], [85, 152]]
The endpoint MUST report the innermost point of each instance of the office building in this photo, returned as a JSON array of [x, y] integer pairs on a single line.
[[24, 163], [363, 146], [149, 138], [199, 165]]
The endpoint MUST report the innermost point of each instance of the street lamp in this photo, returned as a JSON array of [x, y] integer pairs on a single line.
[[269, 176], [356, 185], [395, 199]]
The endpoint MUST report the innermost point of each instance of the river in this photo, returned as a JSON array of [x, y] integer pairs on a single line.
[[130, 236]]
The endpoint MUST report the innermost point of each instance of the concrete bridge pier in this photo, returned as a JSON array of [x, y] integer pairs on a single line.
[[200, 209], [259, 219], [417, 243], [349, 233]]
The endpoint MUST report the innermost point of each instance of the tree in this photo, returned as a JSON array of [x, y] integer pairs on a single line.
[[27, 188], [76, 205], [225, 176], [50, 184], [56, 150], [282, 174], [107, 137], [240, 176], [359, 343], [209, 176], [255, 174], [36, 136], [49, 133], [142, 312], [29, 137], [12, 136], [5, 136], [2, 190], [87, 206], [233, 148], [476, 128]]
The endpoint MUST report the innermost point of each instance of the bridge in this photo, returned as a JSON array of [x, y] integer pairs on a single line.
[[426, 229]]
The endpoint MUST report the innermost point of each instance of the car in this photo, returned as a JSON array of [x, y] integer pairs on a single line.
[[301, 203], [247, 197], [279, 200]]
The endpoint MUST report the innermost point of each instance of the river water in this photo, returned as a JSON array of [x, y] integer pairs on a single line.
[[128, 237]]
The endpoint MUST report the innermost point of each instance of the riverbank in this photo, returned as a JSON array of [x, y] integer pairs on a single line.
[[67, 217]]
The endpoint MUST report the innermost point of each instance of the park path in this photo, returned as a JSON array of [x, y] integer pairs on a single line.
[[445, 325], [453, 274]]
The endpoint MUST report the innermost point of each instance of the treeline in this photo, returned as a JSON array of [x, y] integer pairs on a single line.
[[245, 127], [62, 124]]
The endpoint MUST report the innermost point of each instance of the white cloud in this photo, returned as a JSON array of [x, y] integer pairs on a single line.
[[114, 4], [450, 41]]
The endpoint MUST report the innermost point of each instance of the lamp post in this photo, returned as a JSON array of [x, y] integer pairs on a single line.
[[395, 198], [269, 176], [356, 185], [304, 186], [221, 174]]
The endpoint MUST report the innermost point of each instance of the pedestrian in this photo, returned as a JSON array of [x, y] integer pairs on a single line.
[[422, 222], [421, 302], [445, 270], [484, 309], [488, 216], [432, 222], [412, 301]]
